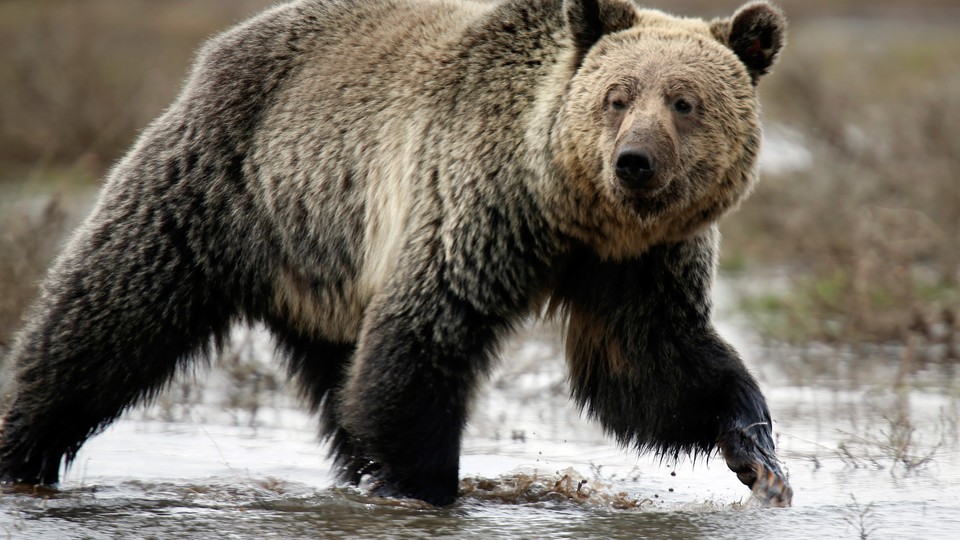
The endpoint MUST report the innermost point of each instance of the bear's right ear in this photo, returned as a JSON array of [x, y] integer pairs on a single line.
[[589, 20], [756, 33]]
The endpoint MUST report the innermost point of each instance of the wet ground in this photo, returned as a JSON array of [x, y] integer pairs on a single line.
[[215, 459]]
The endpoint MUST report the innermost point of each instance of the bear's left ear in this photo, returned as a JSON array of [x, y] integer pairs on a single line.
[[589, 20], [756, 33]]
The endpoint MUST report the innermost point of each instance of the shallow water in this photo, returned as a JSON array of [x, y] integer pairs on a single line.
[[531, 468]]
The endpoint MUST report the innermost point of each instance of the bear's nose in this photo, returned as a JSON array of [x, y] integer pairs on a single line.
[[635, 168]]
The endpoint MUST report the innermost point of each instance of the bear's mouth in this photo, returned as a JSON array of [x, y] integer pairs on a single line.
[[650, 201]]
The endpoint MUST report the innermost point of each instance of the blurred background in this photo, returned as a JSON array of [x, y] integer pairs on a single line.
[[851, 239]]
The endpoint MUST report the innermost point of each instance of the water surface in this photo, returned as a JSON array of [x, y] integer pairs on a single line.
[[206, 464]]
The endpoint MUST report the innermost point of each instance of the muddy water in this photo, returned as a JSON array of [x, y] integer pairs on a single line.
[[205, 464]]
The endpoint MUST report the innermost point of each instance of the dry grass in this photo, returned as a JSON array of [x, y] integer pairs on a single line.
[[804, 10], [27, 244], [870, 230], [80, 78]]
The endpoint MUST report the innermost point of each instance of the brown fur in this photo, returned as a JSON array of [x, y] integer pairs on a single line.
[[390, 185], [712, 162]]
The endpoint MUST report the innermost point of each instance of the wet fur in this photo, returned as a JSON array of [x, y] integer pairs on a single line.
[[390, 223]]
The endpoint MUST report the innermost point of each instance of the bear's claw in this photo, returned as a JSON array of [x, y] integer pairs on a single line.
[[771, 487], [757, 467]]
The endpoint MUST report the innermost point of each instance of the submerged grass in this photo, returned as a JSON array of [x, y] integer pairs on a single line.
[[895, 445], [862, 518]]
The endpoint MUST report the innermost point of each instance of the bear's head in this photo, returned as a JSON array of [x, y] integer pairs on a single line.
[[658, 131]]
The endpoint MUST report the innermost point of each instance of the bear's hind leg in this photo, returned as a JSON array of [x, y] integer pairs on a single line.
[[121, 309], [320, 368]]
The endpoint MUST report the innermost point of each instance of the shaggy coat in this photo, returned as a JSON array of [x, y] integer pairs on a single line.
[[390, 186]]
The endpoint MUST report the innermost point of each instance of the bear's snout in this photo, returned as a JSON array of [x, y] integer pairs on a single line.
[[636, 169]]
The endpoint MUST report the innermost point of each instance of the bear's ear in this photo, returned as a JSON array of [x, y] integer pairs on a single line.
[[588, 20], [756, 33]]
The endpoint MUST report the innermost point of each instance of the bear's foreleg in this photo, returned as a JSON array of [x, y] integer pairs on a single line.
[[320, 368], [406, 400], [646, 361]]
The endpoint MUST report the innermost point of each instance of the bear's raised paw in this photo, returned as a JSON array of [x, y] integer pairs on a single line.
[[756, 465]]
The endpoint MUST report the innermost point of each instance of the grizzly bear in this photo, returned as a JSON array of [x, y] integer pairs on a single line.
[[390, 186]]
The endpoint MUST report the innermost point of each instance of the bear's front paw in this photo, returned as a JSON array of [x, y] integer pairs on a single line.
[[771, 487], [756, 465]]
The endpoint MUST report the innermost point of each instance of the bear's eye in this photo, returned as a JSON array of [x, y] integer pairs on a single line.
[[618, 104], [618, 100], [682, 106]]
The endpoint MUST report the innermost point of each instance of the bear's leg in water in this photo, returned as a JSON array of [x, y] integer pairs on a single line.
[[124, 305]]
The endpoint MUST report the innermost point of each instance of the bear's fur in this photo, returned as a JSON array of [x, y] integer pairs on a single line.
[[390, 186]]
